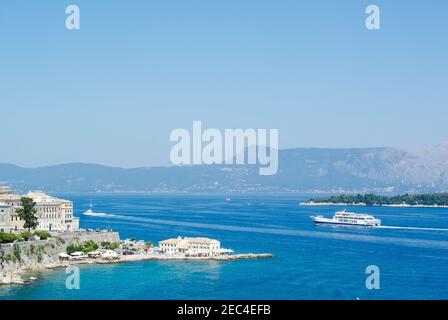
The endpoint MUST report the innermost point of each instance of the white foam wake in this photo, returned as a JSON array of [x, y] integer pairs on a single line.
[[413, 228], [98, 214]]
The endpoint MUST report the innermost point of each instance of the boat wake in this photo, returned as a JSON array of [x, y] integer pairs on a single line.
[[98, 214], [412, 228]]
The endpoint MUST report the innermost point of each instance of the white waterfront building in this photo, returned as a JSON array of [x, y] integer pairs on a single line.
[[53, 214], [191, 246], [5, 217]]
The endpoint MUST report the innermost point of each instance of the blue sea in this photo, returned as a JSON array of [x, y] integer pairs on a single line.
[[311, 262]]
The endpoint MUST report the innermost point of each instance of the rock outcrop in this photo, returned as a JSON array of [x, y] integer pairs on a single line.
[[42, 254]]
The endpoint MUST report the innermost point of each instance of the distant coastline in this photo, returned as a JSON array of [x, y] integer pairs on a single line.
[[327, 204], [301, 171], [429, 200]]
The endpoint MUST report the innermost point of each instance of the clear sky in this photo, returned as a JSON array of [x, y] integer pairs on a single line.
[[112, 92]]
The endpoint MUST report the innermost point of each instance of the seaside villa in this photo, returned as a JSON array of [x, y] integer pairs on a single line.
[[191, 246], [53, 214]]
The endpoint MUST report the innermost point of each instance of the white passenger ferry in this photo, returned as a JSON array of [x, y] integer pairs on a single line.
[[349, 218]]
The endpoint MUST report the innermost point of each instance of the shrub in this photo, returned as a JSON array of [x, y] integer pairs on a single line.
[[40, 257], [26, 235], [105, 244], [8, 237], [9, 258], [90, 246], [74, 248], [112, 246], [43, 235], [16, 252], [87, 247]]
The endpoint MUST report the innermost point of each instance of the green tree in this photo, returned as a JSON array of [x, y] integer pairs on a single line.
[[110, 246], [28, 213], [74, 248], [90, 246]]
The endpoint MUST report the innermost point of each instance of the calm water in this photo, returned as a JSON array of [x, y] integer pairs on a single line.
[[310, 262]]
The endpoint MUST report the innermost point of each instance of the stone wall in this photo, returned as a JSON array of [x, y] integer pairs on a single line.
[[35, 255], [95, 236]]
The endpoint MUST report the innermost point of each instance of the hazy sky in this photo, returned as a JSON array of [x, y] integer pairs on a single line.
[[112, 92]]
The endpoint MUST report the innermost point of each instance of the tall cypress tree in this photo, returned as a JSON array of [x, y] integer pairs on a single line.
[[28, 213]]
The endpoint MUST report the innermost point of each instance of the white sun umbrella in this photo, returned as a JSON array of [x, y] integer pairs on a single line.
[[77, 254], [63, 255], [95, 253], [110, 254]]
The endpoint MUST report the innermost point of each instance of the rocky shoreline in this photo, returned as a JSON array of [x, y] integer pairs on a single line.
[[17, 277], [18, 260]]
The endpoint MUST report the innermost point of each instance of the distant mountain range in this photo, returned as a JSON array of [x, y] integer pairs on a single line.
[[304, 170]]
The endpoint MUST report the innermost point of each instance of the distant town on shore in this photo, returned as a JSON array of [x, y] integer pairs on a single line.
[[415, 200]]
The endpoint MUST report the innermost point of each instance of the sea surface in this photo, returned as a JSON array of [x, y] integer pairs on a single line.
[[311, 262]]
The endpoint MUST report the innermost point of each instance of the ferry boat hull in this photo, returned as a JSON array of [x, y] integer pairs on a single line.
[[348, 219]]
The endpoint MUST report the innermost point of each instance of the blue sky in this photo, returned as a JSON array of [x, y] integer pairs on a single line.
[[112, 92]]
